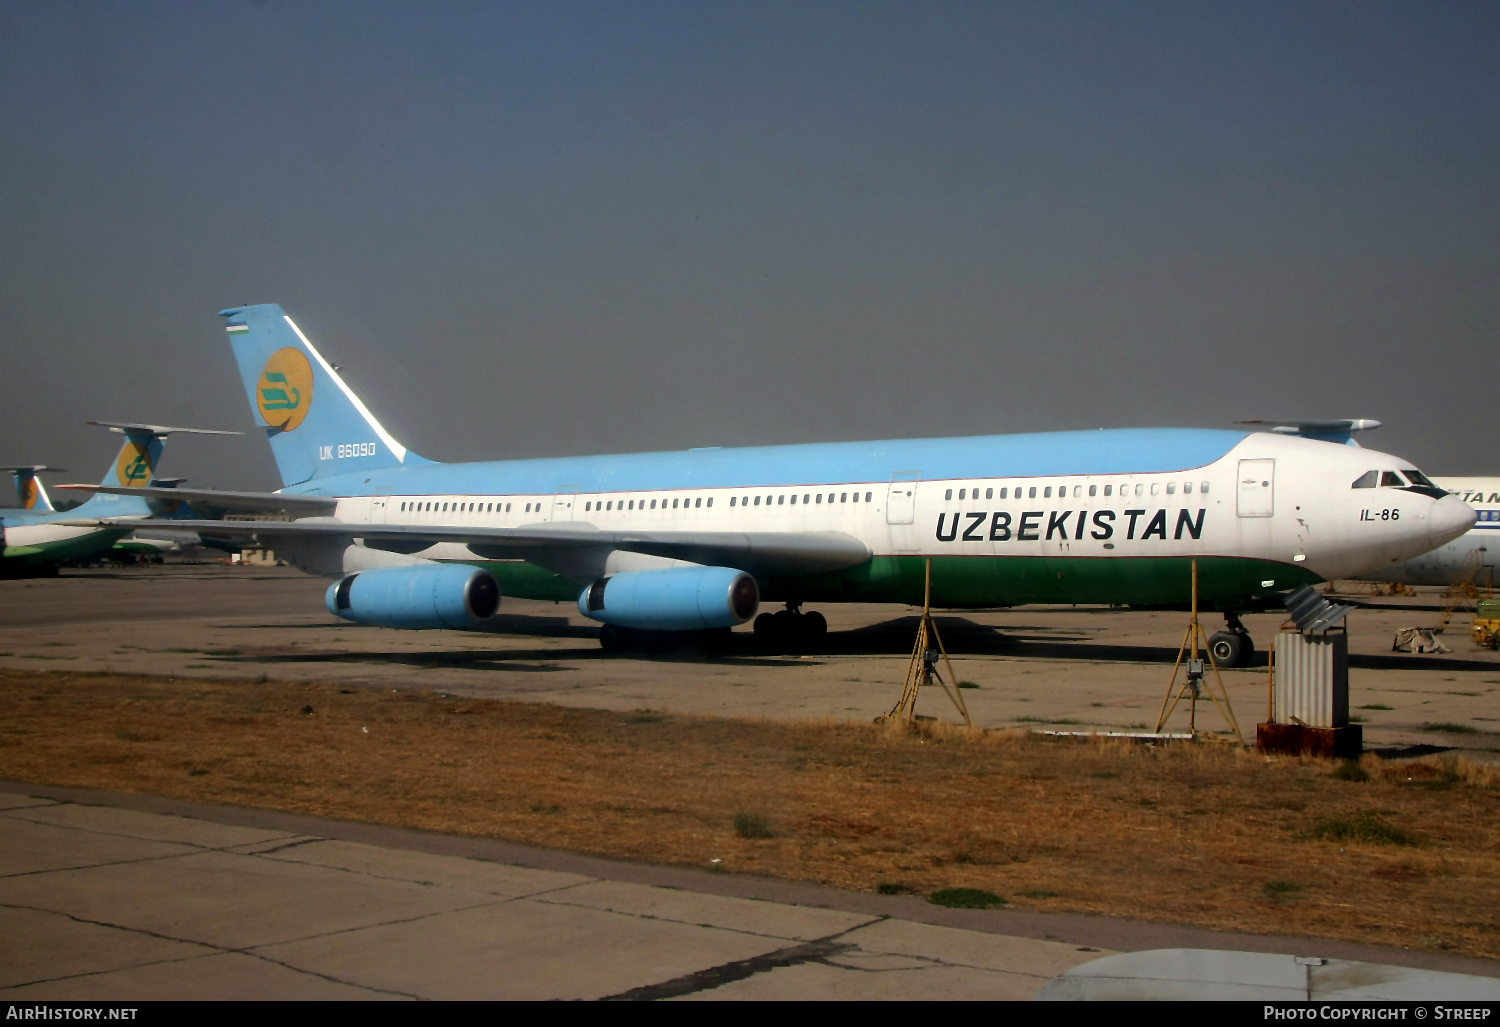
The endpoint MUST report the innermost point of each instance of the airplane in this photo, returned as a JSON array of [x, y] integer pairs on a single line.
[[29, 488], [1474, 555], [37, 539], [650, 543]]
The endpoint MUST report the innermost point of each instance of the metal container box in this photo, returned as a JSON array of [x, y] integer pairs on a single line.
[[1312, 679]]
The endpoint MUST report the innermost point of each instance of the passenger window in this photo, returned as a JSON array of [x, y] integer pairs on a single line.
[[1032, 493], [1138, 489], [1093, 491], [1154, 488], [1109, 490], [867, 497], [843, 497], [1004, 492], [588, 507], [698, 501], [1187, 487], [1203, 487], [610, 505], [961, 493], [820, 497], [732, 499], [948, 494], [806, 498], [1171, 488], [781, 500], [989, 493], [794, 500], [710, 500], [1047, 492], [674, 504], [1390, 478], [856, 497], [1077, 491], [757, 501]]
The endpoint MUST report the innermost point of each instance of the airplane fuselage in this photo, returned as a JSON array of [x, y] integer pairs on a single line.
[[1070, 517]]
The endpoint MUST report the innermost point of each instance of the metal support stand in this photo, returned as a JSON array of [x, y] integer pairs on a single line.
[[1195, 683], [922, 668]]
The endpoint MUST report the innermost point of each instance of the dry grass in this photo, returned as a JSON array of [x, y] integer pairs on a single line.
[[1194, 834]]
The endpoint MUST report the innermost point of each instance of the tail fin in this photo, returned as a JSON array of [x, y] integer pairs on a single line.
[[29, 488], [135, 467], [316, 424]]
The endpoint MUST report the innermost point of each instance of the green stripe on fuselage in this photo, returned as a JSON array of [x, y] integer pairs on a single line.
[[1223, 582], [45, 554]]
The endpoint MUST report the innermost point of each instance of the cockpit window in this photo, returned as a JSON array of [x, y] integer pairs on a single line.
[[1417, 477], [1391, 478], [1366, 480]]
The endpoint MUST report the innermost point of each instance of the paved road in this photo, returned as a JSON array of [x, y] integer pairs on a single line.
[[133, 897]]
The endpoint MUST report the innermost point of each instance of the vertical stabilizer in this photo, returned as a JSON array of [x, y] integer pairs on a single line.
[[29, 488], [317, 426]]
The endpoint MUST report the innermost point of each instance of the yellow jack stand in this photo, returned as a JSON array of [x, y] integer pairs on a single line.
[[922, 668], [1195, 683]]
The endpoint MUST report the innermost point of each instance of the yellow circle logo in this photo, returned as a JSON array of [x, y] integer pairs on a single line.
[[284, 392], [134, 465], [29, 493]]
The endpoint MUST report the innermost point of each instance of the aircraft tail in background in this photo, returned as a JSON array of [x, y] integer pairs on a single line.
[[29, 488], [316, 424]]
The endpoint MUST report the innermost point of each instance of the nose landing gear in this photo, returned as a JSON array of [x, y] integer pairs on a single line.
[[1233, 646], [791, 629]]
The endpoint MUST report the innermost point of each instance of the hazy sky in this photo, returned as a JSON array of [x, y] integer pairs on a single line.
[[556, 228]]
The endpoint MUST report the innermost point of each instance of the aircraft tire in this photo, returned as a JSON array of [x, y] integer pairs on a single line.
[[814, 627], [1227, 648], [1247, 649], [613, 638]]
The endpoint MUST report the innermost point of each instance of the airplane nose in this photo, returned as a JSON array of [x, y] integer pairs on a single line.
[[1450, 518]]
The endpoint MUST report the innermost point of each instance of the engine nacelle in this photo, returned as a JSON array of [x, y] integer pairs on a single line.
[[672, 599], [439, 595]]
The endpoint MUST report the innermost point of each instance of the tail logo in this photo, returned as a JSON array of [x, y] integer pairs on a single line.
[[29, 493], [134, 465], [284, 393]]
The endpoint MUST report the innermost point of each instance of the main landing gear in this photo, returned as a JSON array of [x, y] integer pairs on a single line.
[[1233, 646], [791, 628]]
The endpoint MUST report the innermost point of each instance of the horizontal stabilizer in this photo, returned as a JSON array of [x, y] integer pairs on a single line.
[[1340, 430], [248, 502], [161, 430], [755, 552]]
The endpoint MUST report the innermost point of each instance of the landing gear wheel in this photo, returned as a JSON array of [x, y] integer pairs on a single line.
[[614, 638], [1228, 648], [815, 627]]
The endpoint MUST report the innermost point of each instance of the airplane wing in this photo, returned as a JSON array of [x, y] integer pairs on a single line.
[[246, 502], [756, 552]]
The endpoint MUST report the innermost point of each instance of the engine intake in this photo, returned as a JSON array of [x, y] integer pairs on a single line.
[[427, 596], [672, 599]]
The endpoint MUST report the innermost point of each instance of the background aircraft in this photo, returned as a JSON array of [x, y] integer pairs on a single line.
[[30, 491], [1473, 557], [696, 540], [37, 540]]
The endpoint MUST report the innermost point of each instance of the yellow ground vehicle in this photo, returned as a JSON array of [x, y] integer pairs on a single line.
[[1487, 623]]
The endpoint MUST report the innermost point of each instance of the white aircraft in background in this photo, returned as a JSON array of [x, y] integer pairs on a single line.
[[649, 543], [1474, 555]]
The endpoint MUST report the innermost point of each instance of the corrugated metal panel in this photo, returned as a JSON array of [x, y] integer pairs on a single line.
[[1312, 678]]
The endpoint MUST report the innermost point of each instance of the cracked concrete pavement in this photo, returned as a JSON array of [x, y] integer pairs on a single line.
[[104, 902], [122, 897]]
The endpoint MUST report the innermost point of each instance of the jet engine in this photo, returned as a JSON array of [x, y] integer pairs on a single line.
[[439, 595], [672, 599]]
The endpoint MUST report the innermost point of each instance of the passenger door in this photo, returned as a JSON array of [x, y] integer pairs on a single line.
[[1257, 488], [563, 502], [901, 509]]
